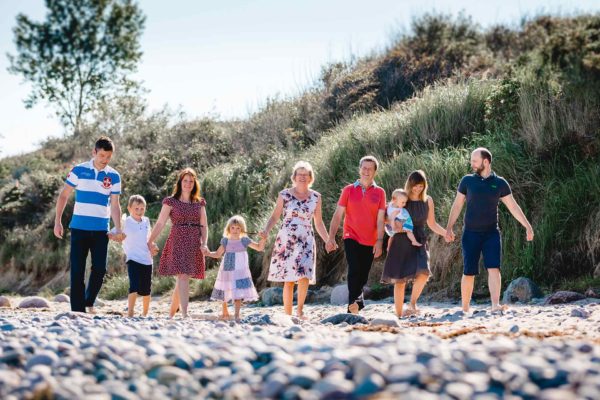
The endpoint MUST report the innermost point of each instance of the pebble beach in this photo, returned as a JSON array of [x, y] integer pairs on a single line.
[[530, 351]]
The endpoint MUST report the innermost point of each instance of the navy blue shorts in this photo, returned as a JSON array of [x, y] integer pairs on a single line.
[[474, 244], [140, 278]]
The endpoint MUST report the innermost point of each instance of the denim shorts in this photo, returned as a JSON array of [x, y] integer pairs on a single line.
[[474, 244]]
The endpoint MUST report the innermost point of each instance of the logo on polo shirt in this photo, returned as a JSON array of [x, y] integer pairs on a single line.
[[106, 182]]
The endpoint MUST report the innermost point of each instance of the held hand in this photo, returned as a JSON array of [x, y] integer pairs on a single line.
[[530, 234], [204, 249], [263, 234], [58, 230], [449, 235], [377, 249], [154, 249], [330, 246]]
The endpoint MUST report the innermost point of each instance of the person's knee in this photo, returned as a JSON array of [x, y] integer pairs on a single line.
[[493, 272]]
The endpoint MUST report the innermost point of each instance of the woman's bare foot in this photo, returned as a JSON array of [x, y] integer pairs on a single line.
[[499, 308], [414, 307], [301, 315], [409, 312], [353, 308], [90, 310]]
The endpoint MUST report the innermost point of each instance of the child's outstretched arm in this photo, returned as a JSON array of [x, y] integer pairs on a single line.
[[258, 246], [217, 253]]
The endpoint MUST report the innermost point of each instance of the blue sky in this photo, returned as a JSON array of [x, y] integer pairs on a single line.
[[226, 57]]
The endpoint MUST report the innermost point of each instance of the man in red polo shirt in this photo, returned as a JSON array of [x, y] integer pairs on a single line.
[[363, 204]]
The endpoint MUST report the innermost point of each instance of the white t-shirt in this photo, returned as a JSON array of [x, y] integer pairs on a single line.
[[135, 244]]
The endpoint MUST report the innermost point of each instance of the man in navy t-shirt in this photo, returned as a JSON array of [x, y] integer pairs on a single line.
[[482, 191]]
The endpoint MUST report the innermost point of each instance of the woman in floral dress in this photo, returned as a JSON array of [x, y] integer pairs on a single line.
[[183, 253], [294, 253]]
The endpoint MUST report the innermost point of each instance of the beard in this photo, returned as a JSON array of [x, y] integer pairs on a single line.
[[478, 170]]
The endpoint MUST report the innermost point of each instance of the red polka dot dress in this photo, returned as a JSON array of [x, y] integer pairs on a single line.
[[182, 253]]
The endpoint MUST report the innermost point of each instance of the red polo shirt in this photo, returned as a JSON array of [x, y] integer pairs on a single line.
[[362, 206]]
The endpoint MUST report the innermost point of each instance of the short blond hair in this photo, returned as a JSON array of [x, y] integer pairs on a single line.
[[235, 220], [306, 166], [399, 192], [136, 198]]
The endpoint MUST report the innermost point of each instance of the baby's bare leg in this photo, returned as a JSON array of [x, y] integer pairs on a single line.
[[412, 238]]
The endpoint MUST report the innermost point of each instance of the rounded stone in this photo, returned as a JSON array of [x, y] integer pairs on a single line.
[[48, 358], [339, 295], [5, 302], [62, 298], [34, 302]]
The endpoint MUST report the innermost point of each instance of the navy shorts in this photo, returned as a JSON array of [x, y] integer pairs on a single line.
[[140, 278], [474, 244]]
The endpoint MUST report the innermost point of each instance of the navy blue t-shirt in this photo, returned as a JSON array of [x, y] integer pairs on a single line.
[[483, 196]]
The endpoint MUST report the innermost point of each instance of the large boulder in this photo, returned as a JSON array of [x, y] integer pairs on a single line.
[[322, 295], [272, 296], [523, 290], [34, 302], [378, 291], [5, 302], [339, 295], [563, 297]]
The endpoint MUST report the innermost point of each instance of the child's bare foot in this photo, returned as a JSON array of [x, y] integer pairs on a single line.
[[224, 317], [353, 308], [417, 244]]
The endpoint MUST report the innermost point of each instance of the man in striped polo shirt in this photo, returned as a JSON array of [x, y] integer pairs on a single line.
[[97, 188]]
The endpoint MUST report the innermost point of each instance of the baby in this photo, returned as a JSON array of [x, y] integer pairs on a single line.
[[397, 217]]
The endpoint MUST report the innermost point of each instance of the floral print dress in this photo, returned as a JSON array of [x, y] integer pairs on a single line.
[[294, 252]]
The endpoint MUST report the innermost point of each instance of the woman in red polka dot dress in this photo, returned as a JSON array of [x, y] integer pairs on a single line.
[[183, 253]]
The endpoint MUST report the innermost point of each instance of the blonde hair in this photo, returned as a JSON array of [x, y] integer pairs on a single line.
[[136, 198], [399, 192], [303, 165], [417, 178], [236, 220]]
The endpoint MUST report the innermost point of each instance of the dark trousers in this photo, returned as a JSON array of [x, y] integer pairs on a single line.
[[82, 243], [360, 259]]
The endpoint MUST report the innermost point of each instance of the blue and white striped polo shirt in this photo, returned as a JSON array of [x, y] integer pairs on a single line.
[[92, 195]]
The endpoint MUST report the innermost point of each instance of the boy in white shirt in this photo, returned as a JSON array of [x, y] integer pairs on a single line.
[[136, 228]]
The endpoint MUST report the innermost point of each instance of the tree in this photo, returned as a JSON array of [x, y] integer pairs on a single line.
[[79, 55]]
